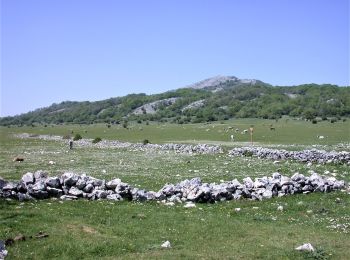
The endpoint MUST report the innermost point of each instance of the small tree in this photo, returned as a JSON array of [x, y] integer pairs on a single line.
[[77, 137], [96, 140]]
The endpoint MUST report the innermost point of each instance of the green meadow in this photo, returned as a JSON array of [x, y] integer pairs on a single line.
[[129, 230]]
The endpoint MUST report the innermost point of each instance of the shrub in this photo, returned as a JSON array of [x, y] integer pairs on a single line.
[[96, 140], [145, 141], [77, 137], [333, 120], [314, 121], [125, 124]]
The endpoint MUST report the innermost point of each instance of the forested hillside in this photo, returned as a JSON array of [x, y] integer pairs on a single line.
[[228, 99]]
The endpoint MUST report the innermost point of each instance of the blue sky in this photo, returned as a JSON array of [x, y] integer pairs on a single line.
[[58, 50]]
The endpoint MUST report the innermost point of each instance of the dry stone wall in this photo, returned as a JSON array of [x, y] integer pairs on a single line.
[[71, 186], [313, 156]]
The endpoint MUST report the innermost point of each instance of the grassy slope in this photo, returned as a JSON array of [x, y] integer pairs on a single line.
[[117, 230]]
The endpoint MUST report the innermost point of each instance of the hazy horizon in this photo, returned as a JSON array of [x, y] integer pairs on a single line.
[[54, 51]]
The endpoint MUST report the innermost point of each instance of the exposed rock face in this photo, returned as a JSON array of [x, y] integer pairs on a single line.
[[217, 80], [316, 156], [151, 108], [72, 186]]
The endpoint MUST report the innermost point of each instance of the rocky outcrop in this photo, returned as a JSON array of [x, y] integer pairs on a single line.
[[70, 186], [313, 156], [151, 108]]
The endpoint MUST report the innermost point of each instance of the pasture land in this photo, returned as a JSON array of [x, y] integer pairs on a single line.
[[128, 230]]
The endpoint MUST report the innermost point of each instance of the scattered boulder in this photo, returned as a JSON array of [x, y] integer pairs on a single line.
[[305, 247], [166, 244]]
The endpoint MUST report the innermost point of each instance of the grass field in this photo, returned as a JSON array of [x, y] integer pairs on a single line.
[[126, 230]]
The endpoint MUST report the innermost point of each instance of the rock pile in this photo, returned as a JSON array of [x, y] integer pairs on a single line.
[[70, 186], [314, 156]]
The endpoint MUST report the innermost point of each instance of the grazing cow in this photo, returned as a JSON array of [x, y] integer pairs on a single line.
[[244, 131], [320, 137], [272, 128], [18, 159], [236, 130]]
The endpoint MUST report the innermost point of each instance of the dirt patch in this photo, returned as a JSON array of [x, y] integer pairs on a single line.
[[82, 228]]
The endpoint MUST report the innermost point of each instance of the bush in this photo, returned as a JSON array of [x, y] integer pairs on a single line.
[[96, 140], [314, 121], [146, 141], [333, 120], [77, 137]]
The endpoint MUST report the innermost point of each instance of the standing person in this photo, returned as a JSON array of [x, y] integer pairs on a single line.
[[70, 144]]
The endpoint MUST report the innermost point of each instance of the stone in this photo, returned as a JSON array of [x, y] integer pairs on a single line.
[[24, 197], [280, 208], [81, 183], [38, 175], [2, 245], [68, 197], [98, 182], [40, 194], [189, 205], [10, 186], [267, 194], [113, 183], [237, 209], [39, 185], [100, 194], [115, 197], [276, 175], [74, 191], [88, 188], [248, 182], [285, 181], [53, 182], [305, 247], [3, 254], [22, 187], [28, 178], [54, 192], [69, 179], [2, 183], [166, 244]]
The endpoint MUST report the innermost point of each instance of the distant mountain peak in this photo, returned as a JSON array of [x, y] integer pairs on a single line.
[[219, 79]]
